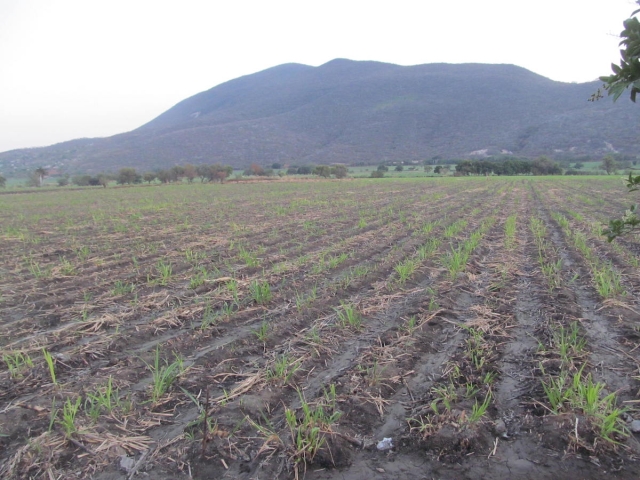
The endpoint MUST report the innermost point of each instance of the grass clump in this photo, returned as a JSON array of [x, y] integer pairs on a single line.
[[17, 363], [164, 374], [260, 292], [348, 316]]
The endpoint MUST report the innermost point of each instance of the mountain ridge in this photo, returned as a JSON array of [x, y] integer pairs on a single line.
[[351, 112]]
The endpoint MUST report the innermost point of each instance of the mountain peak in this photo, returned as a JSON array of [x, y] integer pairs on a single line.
[[364, 111]]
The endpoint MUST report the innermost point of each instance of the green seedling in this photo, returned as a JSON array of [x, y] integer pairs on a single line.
[[360, 271], [263, 332], [489, 378], [249, 258], [557, 391], [260, 292], [122, 288], [226, 309], [313, 336], [607, 280], [455, 261], [405, 269], [307, 432], [37, 271], [510, 232], [164, 271], [330, 396], [454, 228], [348, 316], [198, 278], [51, 365], [209, 317], [106, 398], [612, 424], [478, 410], [66, 267], [16, 363], [283, 369], [374, 373], [83, 253], [445, 394], [53, 415], [569, 342], [164, 374], [232, 287], [470, 390], [410, 325], [69, 412], [426, 250], [427, 228]]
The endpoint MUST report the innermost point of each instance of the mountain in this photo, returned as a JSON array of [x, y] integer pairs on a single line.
[[348, 111]]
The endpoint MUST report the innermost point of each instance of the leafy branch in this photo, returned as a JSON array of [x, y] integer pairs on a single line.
[[627, 74], [630, 219]]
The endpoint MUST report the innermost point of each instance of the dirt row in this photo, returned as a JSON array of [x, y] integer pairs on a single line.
[[368, 331]]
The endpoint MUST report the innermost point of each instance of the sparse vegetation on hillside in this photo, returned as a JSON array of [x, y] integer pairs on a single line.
[[351, 112]]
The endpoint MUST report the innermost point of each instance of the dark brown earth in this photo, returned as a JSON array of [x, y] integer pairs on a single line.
[[86, 285]]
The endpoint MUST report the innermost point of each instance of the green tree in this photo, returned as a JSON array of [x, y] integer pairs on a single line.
[[41, 172], [399, 168], [322, 171], [218, 173], [203, 172], [164, 176], [383, 168], [103, 179], [340, 171], [3, 181], [177, 172], [63, 181], [81, 180], [428, 169], [545, 166], [190, 172], [609, 164], [128, 176], [149, 177]]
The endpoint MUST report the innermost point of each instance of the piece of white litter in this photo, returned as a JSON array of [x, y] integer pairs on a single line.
[[385, 444]]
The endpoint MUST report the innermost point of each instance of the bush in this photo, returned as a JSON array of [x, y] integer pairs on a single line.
[[340, 171], [63, 181], [322, 171]]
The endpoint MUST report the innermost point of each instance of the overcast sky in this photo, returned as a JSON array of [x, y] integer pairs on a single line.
[[94, 68]]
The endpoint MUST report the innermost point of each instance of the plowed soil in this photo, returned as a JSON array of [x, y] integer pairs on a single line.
[[285, 329]]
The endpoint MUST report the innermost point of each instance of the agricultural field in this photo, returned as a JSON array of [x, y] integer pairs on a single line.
[[387, 329]]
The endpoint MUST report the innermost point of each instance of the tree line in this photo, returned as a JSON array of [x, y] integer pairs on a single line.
[[325, 171], [539, 166]]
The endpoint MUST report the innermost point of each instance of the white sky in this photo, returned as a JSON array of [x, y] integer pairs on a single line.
[[87, 68]]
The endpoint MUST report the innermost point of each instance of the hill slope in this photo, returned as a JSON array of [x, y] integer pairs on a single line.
[[347, 111]]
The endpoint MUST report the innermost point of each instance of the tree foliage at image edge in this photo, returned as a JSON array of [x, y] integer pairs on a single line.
[[626, 75]]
